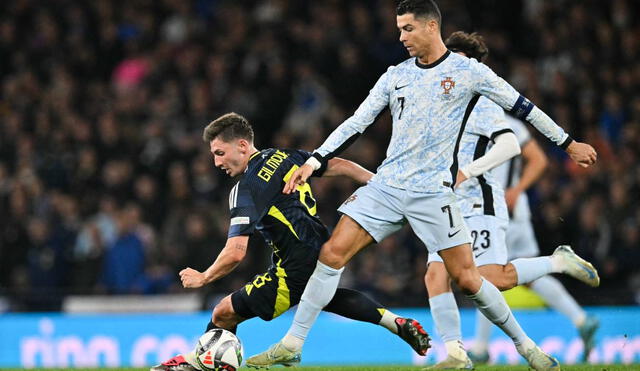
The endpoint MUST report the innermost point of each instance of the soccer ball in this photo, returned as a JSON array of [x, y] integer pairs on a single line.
[[219, 350]]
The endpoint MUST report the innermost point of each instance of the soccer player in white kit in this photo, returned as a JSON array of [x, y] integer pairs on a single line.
[[488, 141], [516, 178], [430, 97]]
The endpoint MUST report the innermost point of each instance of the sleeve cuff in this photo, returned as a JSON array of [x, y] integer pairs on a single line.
[[496, 133], [313, 162], [318, 164], [565, 144]]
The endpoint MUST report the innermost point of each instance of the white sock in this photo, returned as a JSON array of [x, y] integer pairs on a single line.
[[557, 297], [319, 291], [388, 321], [492, 304], [191, 359], [557, 263], [530, 269], [455, 349], [292, 342], [446, 316], [483, 333]]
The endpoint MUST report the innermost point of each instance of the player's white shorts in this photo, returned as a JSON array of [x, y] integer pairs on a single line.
[[521, 240], [382, 210], [488, 235]]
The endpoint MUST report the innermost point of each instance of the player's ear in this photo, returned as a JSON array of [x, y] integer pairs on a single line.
[[433, 26], [243, 145]]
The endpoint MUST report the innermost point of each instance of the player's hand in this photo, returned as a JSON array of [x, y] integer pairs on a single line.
[[460, 178], [299, 177], [582, 153], [191, 278], [511, 196]]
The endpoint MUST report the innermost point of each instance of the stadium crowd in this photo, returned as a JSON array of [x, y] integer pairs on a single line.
[[107, 187]]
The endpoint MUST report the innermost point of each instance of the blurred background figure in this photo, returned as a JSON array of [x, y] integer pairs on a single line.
[[105, 188]]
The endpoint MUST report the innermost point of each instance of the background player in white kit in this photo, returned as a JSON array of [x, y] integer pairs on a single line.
[[430, 97], [488, 141], [517, 177]]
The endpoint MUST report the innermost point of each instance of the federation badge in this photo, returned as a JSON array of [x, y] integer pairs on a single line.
[[447, 84]]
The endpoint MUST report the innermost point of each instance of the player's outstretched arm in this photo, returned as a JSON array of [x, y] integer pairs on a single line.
[[341, 167], [231, 255], [582, 153], [495, 88]]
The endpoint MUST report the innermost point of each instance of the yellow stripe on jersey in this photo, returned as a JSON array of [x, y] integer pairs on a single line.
[[287, 176], [276, 213], [381, 311], [304, 192], [283, 300]]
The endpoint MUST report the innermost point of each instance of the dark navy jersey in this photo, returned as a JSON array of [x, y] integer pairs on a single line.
[[288, 223]]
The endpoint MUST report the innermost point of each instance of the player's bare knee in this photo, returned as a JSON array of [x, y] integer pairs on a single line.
[[436, 272], [437, 279], [330, 255], [468, 280]]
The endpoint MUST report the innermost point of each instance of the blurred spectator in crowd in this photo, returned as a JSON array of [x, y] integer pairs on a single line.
[[106, 186]]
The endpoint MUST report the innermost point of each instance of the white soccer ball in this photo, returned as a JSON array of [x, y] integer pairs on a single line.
[[219, 350]]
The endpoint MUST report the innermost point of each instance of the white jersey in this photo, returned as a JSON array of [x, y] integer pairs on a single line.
[[508, 173], [430, 105], [484, 194]]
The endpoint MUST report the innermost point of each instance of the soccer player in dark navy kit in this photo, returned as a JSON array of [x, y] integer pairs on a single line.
[[289, 225]]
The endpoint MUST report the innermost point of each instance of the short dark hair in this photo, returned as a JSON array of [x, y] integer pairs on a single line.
[[228, 127], [420, 8], [472, 45]]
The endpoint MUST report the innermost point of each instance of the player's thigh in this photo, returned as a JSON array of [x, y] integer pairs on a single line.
[[346, 240], [488, 239], [521, 240], [376, 209], [436, 220], [458, 261]]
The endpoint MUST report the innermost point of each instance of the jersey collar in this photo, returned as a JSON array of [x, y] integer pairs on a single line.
[[254, 155], [431, 65]]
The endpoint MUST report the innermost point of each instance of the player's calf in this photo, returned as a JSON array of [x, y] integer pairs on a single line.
[[224, 316]]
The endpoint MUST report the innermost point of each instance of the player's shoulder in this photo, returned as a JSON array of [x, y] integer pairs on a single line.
[[405, 68], [264, 165], [459, 60]]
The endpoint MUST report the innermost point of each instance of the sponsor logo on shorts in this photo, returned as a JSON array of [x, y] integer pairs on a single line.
[[454, 233], [480, 253]]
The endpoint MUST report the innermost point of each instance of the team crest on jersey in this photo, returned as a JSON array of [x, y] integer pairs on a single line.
[[447, 84]]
